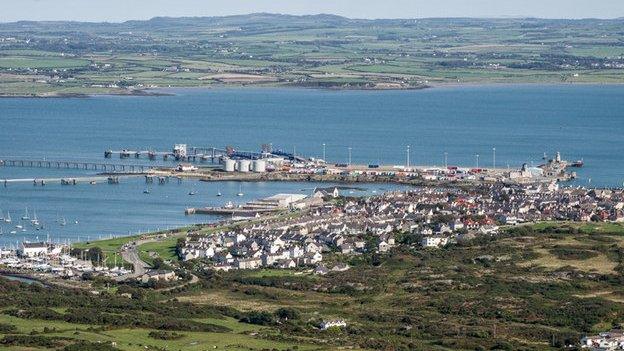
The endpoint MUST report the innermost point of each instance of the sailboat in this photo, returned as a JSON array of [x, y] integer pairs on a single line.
[[240, 190], [7, 219], [62, 222], [35, 220], [219, 192], [26, 217]]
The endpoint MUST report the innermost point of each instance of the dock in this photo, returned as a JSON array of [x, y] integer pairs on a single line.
[[106, 167], [224, 211], [64, 181], [180, 152]]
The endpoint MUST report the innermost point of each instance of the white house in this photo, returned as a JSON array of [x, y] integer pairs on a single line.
[[32, 249], [434, 241]]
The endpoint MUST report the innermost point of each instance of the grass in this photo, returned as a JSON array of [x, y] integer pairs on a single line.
[[138, 339], [41, 62], [599, 264]]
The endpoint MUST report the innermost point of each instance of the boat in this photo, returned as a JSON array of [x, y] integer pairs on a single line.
[[7, 219], [19, 226], [219, 194], [12, 232], [92, 182], [240, 191], [62, 222], [35, 220], [146, 191], [191, 193], [25, 217], [577, 164]]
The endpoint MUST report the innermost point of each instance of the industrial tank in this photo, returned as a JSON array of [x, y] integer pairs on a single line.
[[229, 165], [244, 165], [259, 166]]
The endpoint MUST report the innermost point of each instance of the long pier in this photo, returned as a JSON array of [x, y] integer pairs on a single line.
[[126, 168], [190, 154], [62, 181]]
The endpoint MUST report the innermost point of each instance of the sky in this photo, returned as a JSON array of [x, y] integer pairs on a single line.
[[121, 10]]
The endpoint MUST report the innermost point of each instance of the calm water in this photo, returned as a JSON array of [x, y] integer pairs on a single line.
[[521, 122]]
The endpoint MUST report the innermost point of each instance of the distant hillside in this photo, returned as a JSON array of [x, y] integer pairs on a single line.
[[321, 51]]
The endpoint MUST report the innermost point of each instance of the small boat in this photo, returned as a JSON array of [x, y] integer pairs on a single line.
[[35, 220], [92, 182], [240, 191], [26, 217], [12, 232], [76, 222], [7, 219], [191, 193], [19, 226], [146, 191], [63, 222], [577, 164], [219, 194]]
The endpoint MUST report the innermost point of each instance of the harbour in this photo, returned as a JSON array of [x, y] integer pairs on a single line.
[[325, 128]]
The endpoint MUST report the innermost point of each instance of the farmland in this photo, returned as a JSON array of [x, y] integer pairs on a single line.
[[323, 51]]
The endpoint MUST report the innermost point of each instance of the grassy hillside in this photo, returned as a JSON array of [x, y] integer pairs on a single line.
[[534, 288]]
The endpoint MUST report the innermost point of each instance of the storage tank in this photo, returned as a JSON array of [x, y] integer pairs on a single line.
[[259, 166], [229, 165], [244, 165]]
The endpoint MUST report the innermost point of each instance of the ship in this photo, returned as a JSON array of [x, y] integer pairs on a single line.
[[577, 164]]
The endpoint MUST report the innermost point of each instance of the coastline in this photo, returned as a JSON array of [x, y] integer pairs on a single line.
[[171, 91]]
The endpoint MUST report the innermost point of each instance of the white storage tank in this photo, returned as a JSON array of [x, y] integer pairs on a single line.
[[244, 165], [229, 165], [259, 166]]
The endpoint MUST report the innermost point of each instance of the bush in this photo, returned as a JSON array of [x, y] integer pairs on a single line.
[[259, 318], [7, 328], [163, 335]]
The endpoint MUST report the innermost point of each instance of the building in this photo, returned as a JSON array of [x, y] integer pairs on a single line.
[[326, 192], [434, 241], [32, 249], [158, 276], [612, 340]]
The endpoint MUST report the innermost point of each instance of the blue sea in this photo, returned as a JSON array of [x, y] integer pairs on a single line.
[[522, 122]]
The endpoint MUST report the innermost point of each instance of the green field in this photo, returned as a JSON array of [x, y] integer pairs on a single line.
[[298, 51]]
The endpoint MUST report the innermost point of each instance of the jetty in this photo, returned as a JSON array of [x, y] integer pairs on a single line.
[[112, 179], [106, 167]]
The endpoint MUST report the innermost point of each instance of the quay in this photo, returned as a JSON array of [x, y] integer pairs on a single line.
[[225, 211], [128, 168], [180, 152], [63, 181]]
